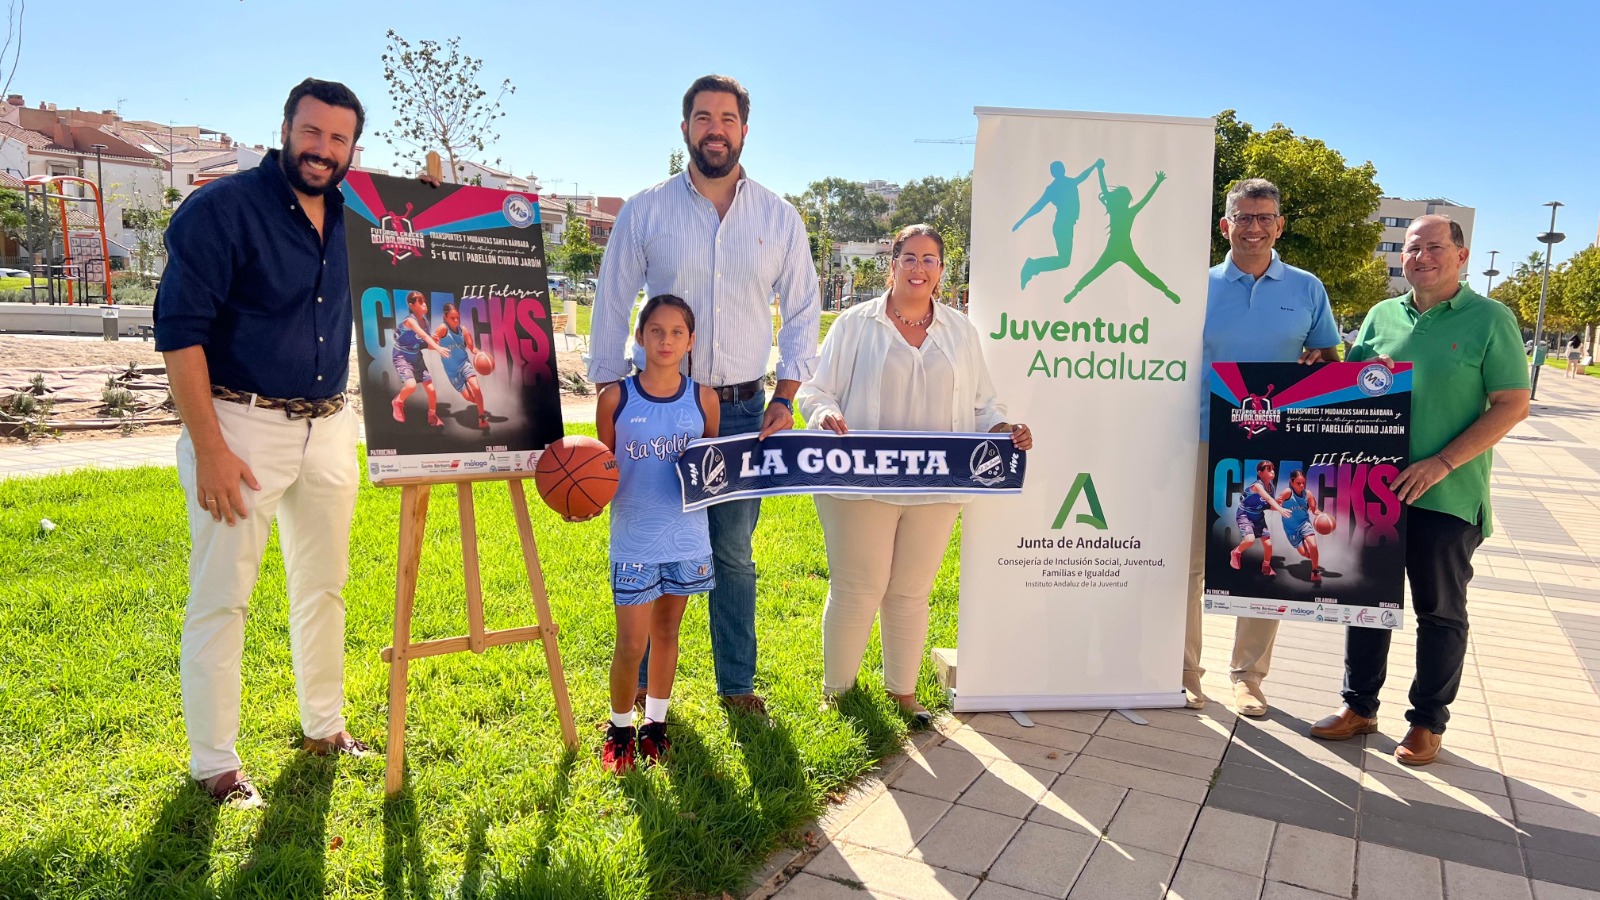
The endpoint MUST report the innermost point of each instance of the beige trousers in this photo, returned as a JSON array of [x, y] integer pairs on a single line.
[[882, 561], [1252, 638], [309, 477]]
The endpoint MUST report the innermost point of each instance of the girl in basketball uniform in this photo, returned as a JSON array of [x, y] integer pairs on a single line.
[[410, 336], [660, 555], [1252, 516], [458, 352], [1302, 509]]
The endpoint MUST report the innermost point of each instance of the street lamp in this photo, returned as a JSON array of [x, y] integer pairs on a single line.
[[1549, 239], [1491, 272]]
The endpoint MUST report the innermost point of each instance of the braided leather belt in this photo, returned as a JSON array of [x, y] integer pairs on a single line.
[[295, 408]]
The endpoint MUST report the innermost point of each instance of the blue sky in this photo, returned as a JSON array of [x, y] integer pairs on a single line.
[[1494, 109]]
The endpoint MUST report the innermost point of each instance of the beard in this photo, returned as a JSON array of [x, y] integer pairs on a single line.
[[289, 160], [709, 169]]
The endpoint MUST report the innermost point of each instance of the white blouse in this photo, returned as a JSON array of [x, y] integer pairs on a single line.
[[871, 376]]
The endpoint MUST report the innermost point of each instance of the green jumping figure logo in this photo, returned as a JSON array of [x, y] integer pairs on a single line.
[[1121, 209]]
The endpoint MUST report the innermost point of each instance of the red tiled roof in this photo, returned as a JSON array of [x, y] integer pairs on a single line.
[[26, 136]]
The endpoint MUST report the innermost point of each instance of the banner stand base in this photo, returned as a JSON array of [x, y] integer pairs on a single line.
[[1021, 718], [1133, 717], [1009, 702]]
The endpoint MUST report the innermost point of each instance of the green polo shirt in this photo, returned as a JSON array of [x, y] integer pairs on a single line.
[[1461, 350]]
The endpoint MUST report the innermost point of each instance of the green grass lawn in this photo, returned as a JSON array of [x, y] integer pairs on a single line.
[[94, 796]]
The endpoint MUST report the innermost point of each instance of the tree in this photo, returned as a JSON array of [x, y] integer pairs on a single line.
[[30, 220], [868, 275], [675, 162], [843, 210], [579, 256], [1329, 206], [944, 203], [1520, 290], [438, 103], [148, 219], [1580, 288]]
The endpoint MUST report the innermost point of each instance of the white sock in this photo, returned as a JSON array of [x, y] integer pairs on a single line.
[[655, 710], [622, 719]]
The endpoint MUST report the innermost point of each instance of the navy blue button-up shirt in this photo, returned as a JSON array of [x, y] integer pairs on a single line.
[[249, 279]]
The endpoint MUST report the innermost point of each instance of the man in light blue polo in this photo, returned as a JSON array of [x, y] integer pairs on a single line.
[[1258, 309]]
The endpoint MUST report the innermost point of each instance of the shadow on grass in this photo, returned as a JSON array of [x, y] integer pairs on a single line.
[[557, 868], [288, 853], [405, 868]]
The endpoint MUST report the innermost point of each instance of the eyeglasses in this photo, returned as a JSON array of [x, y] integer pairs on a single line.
[[1430, 249], [1243, 220], [910, 260]]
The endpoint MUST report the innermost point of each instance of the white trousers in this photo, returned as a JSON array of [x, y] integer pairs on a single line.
[[308, 473], [882, 561]]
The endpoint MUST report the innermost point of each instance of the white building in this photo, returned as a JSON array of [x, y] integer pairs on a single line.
[[877, 187], [1396, 215]]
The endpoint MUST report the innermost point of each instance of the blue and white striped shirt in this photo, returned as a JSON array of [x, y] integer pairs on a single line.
[[669, 240]]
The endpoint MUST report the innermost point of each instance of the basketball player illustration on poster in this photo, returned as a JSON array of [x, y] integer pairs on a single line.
[[1340, 432]]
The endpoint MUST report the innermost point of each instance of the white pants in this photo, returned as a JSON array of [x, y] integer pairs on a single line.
[[880, 556], [309, 477]]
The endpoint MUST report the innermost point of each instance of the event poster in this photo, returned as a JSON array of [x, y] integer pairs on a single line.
[[1304, 522], [453, 330], [1091, 234]]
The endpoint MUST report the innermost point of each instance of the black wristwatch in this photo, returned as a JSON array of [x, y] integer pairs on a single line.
[[787, 403]]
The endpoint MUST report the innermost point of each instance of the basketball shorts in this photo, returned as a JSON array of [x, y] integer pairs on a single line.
[[635, 583], [1297, 536], [1252, 526], [410, 368], [460, 373]]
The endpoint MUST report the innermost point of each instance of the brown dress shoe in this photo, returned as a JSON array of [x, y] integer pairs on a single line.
[[1343, 725], [1420, 747], [342, 742], [233, 789], [746, 703]]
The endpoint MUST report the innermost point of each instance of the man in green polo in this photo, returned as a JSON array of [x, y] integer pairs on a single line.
[[1470, 387]]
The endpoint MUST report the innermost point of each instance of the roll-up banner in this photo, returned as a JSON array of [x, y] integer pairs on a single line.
[[1090, 243]]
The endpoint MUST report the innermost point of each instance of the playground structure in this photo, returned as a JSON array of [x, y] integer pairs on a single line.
[[81, 274]]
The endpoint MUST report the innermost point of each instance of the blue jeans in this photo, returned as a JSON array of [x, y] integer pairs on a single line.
[[733, 601]]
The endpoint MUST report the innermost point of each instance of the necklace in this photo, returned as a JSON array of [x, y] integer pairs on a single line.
[[907, 322]]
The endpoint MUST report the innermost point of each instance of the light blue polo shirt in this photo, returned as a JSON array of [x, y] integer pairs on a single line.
[[1268, 319]]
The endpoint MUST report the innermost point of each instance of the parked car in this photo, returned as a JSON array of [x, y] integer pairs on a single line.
[[13, 273]]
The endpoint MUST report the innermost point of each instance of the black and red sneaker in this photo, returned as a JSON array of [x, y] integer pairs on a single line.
[[616, 755], [653, 741]]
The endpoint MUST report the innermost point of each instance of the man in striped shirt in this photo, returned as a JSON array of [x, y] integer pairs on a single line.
[[727, 245]]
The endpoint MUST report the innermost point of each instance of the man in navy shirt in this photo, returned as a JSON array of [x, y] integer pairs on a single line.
[[254, 319], [1258, 309]]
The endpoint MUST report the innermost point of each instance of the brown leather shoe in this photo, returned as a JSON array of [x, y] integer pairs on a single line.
[[342, 742], [746, 703], [1420, 747], [233, 789], [1343, 725]]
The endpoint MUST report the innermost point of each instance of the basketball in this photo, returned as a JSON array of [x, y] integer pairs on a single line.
[[576, 476], [483, 362], [1323, 523]]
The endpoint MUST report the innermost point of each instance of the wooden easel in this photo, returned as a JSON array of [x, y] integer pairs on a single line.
[[414, 493], [413, 520]]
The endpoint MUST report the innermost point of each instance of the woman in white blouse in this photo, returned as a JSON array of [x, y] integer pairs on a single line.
[[900, 362]]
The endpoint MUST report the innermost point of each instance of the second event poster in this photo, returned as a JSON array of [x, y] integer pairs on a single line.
[[1304, 523], [453, 327]]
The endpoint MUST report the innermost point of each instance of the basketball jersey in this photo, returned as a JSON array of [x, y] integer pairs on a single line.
[[455, 348], [1299, 507], [408, 341], [648, 524], [1253, 503]]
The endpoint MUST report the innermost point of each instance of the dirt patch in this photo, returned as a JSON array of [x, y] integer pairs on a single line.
[[74, 374]]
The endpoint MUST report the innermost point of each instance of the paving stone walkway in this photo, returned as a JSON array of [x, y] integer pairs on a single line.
[[1201, 805]]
